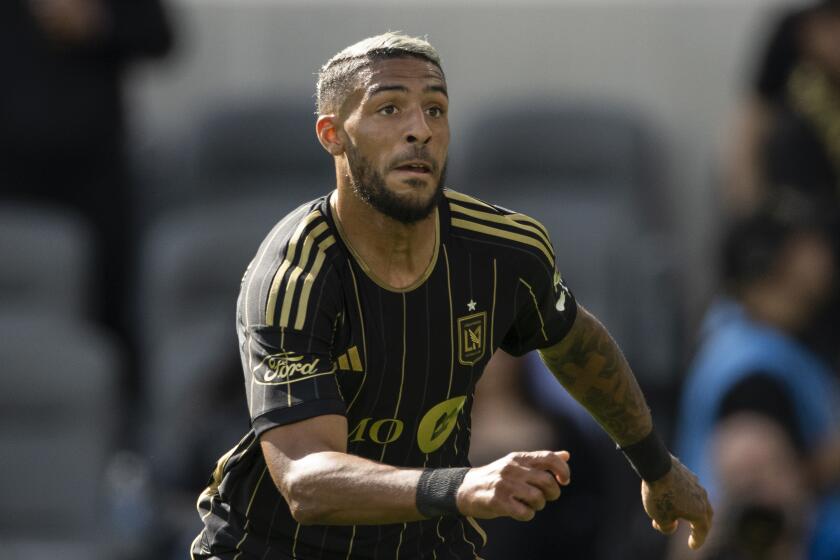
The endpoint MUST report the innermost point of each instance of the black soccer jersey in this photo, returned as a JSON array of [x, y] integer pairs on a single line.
[[320, 334]]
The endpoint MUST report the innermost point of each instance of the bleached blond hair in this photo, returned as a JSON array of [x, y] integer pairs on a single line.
[[337, 78]]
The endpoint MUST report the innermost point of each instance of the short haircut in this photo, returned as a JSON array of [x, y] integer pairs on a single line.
[[337, 78]]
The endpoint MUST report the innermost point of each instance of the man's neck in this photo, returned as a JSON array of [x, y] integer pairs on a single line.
[[395, 253]]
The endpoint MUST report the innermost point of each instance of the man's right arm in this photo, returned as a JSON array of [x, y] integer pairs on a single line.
[[325, 485]]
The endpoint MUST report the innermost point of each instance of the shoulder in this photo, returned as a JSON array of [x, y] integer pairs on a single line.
[[482, 222], [298, 253]]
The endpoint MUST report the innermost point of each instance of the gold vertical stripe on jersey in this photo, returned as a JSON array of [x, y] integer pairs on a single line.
[[352, 538], [489, 230], [493, 312], [402, 376], [364, 343], [466, 540], [248, 513], [537, 307], [399, 544], [343, 363], [291, 251], [283, 349], [338, 386], [451, 323], [355, 360], [479, 530], [503, 219], [294, 543], [437, 531], [309, 280], [289, 292], [455, 439]]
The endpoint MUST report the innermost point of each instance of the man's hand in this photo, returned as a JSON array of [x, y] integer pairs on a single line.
[[678, 495], [517, 485]]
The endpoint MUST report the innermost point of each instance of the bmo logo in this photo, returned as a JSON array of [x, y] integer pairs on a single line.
[[434, 429]]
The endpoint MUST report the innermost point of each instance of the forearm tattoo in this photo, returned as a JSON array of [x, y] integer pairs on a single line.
[[592, 368]]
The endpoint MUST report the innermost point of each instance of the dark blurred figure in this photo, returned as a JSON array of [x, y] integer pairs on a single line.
[[759, 413], [507, 418], [766, 94], [62, 116], [803, 146], [788, 128]]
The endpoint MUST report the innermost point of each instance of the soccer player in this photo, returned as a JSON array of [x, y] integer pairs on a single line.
[[365, 321]]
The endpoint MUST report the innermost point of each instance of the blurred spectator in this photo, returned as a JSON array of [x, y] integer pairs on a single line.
[[787, 133], [506, 418], [803, 147], [766, 94], [759, 419], [62, 122]]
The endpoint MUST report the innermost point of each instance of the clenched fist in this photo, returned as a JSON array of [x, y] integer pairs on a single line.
[[678, 495], [517, 485]]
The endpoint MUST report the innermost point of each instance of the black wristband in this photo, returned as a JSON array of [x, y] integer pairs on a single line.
[[649, 457], [437, 489]]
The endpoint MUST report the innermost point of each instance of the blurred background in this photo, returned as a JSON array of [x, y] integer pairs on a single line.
[[685, 156]]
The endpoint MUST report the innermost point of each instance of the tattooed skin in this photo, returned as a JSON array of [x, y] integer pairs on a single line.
[[663, 506], [593, 370], [678, 495], [591, 367]]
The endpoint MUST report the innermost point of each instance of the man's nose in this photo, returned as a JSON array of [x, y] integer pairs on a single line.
[[419, 131]]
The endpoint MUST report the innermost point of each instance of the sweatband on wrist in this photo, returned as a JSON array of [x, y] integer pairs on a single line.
[[649, 457], [437, 490]]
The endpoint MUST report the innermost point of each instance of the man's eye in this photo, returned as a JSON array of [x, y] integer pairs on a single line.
[[388, 110], [434, 111]]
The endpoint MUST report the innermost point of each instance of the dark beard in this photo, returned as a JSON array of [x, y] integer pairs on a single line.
[[369, 185]]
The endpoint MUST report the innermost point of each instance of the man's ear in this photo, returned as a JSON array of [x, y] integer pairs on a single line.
[[326, 127]]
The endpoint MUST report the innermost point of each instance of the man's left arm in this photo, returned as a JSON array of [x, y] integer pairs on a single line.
[[589, 364]]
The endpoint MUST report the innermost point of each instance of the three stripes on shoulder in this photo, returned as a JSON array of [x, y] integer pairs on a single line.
[[472, 214]]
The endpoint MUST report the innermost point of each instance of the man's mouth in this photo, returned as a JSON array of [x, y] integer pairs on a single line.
[[421, 167]]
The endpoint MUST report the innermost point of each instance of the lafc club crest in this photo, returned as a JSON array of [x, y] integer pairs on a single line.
[[472, 337]]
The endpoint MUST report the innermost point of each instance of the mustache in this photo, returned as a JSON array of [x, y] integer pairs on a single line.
[[418, 152]]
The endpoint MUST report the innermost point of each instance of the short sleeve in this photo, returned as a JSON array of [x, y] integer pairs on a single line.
[[289, 376], [546, 309], [290, 302]]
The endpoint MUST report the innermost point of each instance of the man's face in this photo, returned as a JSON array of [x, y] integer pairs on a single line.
[[397, 137]]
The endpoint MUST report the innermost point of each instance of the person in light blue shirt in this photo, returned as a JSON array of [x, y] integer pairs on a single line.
[[756, 399]]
